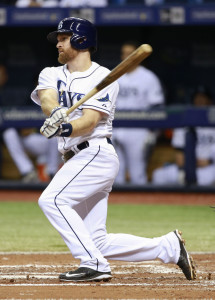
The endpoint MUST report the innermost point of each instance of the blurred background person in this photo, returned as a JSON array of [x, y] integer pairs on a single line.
[[173, 173], [83, 3], [24, 142], [139, 89], [27, 141], [37, 3], [61, 3]]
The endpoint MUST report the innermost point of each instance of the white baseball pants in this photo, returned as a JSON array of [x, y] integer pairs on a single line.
[[132, 145], [171, 174], [76, 201]]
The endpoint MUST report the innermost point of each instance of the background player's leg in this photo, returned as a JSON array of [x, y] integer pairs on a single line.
[[15, 147], [135, 152], [166, 175], [206, 175], [45, 151]]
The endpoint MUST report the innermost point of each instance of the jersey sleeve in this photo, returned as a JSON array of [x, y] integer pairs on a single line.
[[47, 80], [104, 100], [155, 92]]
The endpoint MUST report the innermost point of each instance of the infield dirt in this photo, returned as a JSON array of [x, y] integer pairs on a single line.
[[35, 276]]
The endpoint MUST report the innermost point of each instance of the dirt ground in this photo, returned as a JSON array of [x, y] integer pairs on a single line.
[[126, 197], [35, 275]]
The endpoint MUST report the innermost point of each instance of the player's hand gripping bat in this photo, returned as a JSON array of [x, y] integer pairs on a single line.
[[132, 60]]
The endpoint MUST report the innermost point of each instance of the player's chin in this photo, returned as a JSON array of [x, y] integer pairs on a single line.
[[62, 58]]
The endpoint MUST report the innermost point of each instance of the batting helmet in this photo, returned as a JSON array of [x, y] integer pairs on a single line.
[[83, 32]]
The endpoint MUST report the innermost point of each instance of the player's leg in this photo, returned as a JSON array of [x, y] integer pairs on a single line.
[[46, 153], [16, 149], [168, 174], [135, 148], [121, 246], [206, 175], [169, 248], [73, 184], [37, 146]]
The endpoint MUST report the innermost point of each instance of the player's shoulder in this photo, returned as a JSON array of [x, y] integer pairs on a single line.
[[146, 72], [99, 69], [53, 69], [101, 72]]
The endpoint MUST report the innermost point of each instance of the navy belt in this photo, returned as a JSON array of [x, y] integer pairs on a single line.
[[80, 147]]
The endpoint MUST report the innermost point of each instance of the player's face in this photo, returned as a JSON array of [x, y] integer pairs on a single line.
[[126, 50], [202, 100], [66, 52]]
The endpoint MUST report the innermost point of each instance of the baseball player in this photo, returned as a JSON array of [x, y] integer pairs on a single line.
[[205, 151], [75, 201], [139, 89]]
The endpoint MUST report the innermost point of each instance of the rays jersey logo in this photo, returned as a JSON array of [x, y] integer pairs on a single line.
[[105, 99], [68, 99]]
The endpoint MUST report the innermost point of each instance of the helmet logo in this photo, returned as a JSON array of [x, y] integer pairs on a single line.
[[78, 26], [60, 25]]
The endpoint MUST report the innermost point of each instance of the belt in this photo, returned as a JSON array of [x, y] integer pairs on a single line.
[[69, 154]]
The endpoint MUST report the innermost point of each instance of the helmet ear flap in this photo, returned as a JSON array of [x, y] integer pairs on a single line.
[[77, 40], [82, 39]]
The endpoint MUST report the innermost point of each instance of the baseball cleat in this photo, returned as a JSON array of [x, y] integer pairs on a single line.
[[85, 274], [185, 261]]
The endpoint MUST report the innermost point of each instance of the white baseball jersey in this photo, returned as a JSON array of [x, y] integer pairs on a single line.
[[138, 90], [71, 88]]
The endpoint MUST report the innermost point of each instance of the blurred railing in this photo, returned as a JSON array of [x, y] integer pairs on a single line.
[[113, 15], [171, 117]]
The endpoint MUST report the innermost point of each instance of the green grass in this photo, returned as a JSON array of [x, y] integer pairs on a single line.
[[25, 228]]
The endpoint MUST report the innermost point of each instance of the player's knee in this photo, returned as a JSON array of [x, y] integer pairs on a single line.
[[157, 177], [44, 203], [9, 133], [41, 202], [100, 241]]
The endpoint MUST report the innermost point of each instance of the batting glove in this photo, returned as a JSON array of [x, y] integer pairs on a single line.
[[58, 115], [50, 130]]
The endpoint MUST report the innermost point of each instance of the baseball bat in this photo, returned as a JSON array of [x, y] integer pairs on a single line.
[[132, 60]]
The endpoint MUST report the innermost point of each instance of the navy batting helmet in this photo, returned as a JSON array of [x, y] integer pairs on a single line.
[[83, 32]]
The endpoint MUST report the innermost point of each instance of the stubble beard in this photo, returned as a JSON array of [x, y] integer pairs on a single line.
[[63, 58]]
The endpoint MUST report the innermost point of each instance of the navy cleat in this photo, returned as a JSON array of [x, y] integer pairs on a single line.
[[85, 274], [185, 261]]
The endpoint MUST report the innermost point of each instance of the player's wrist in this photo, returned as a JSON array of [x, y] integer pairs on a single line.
[[66, 129]]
